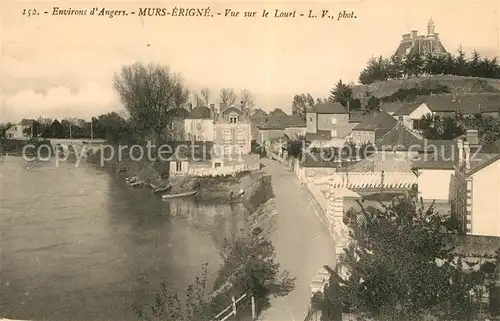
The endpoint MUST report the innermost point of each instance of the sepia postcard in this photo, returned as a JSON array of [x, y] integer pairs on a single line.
[[250, 160]]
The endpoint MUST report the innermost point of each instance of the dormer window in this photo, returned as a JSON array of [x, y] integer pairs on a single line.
[[233, 119]]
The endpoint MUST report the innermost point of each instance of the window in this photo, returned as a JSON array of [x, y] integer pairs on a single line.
[[233, 119], [417, 124], [240, 137], [227, 137], [178, 166], [334, 121], [310, 119], [198, 126]]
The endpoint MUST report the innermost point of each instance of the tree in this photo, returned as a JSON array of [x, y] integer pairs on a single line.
[[277, 112], [205, 96], [198, 100], [247, 100], [460, 63], [401, 266], [148, 93], [113, 128], [341, 93], [437, 128], [170, 307], [250, 267], [3, 129], [373, 104], [227, 96], [295, 147], [301, 104]]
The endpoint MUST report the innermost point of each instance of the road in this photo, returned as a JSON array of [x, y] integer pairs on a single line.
[[301, 242]]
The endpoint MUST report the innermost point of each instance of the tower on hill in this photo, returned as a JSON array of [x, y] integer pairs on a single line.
[[412, 43]]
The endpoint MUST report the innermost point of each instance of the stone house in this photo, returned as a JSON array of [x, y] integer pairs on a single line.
[[199, 125], [411, 115], [25, 129], [373, 128], [175, 130], [232, 130]]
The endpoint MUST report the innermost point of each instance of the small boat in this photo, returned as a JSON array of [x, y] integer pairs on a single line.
[[170, 196], [162, 189], [131, 179], [136, 183]]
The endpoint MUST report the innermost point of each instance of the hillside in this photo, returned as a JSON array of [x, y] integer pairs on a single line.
[[458, 83]]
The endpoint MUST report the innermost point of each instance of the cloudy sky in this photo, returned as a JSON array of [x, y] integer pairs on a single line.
[[58, 66]]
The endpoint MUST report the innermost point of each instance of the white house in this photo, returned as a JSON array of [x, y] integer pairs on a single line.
[[477, 189], [199, 125], [412, 114], [23, 130]]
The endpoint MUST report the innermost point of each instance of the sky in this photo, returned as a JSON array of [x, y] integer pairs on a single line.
[[63, 66]]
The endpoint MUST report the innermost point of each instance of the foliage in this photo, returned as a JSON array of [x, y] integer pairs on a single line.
[[250, 267], [414, 65], [3, 129], [148, 93], [295, 147], [301, 104], [205, 96], [277, 112], [437, 128], [227, 96], [342, 93], [170, 307], [401, 266], [247, 100], [113, 128], [372, 105], [410, 94]]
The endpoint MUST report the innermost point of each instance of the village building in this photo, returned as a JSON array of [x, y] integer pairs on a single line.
[[448, 105], [175, 129], [411, 115], [232, 130], [327, 125], [415, 44], [372, 128], [199, 125], [25, 129]]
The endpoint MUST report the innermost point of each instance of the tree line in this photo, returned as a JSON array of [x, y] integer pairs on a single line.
[[415, 65]]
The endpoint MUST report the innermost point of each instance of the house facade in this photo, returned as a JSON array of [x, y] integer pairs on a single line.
[[24, 130], [233, 131], [327, 124], [411, 114], [175, 129], [477, 187], [373, 128], [448, 105], [199, 125]]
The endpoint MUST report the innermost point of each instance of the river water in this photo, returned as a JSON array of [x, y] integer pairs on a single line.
[[77, 243]]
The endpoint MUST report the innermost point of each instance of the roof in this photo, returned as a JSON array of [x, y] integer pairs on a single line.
[[27, 122], [200, 113], [355, 117], [422, 45], [281, 122], [476, 246], [407, 109], [380, 120], [391, 107], [466, 103], [179, 112], [232, 109], [481, 161], [328, 108], [440, 155], [319, 135], [400, 138], [491, 148]]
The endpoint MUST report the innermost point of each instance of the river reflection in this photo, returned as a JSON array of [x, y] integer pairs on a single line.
[[79, 244]]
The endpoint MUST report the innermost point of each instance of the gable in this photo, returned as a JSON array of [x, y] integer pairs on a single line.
[[420, 111]]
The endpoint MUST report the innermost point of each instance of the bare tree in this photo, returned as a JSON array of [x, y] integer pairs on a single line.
[[205, 96], [197, 100], [247, 100], [227, 96], [148, 93]]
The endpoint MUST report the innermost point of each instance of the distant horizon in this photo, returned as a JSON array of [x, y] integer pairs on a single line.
[[56, 72]]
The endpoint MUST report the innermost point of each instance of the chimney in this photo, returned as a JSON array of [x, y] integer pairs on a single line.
[[472, 136], [414, 34], [467, 155], [460, 147]]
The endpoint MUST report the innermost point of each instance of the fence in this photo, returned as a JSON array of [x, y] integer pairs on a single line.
[[231, 310]]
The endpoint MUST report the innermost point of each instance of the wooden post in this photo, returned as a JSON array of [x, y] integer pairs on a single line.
[[234, 305], [254, 316]]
